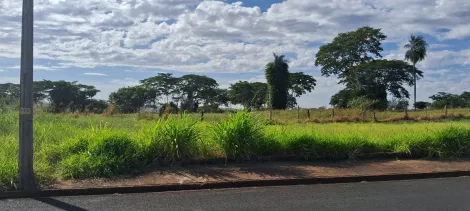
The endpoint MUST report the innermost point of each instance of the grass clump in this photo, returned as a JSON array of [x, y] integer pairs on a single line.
[[174, 139], [105, 153], [240, 135]]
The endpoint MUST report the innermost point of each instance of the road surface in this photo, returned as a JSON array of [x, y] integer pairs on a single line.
[[435, 194]]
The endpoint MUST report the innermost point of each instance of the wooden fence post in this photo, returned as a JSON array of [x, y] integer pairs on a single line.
[[270, 113], [445, 107], [308, 113], [426, 109], [202, 116], [375, 119], [298, 113], [333, 113]]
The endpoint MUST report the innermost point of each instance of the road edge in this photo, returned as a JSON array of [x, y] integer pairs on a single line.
[[227, 185]]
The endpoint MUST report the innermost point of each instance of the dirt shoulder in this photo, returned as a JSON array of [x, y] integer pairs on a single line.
[[207, 174]]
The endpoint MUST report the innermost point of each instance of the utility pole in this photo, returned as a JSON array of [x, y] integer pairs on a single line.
[[25, 161]]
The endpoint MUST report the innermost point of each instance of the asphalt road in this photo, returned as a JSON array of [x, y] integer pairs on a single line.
[[435, 194]]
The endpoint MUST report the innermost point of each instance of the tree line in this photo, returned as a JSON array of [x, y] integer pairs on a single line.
[[354, 57]]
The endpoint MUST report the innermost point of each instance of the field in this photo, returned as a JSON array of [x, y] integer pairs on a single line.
[[75, 146]]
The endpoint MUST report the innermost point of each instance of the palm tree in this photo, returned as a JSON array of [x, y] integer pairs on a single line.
[[416, 52], [277, 77]]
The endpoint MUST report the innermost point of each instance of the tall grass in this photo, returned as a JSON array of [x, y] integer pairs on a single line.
[[240, 135], [71, 147]]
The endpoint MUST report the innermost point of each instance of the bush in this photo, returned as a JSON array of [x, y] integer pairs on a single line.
[[239, 136], [174, 139], [103, 154], [452, 142]]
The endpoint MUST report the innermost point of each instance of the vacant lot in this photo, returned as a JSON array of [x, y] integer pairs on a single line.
[[75, 146]]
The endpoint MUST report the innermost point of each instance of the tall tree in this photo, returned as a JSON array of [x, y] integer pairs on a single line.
[[164, 84], [195, 89], [299, 84], [249, 95], [417, 48], [277, 77], [131, 99], [347, 51]]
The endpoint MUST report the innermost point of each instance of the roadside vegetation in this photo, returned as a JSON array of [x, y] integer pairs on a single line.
[[75, 148]]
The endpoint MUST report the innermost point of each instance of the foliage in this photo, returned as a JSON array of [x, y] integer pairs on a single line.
[[417, 48], [103, 154], [240, 135], [421, 105], [299, 84], [168, 108], [398, 104], [347, 50], [96, 106], [195, 89], [442, 99], [250, 95], [131, 99], [174, 139], [277, 77], [163, 84], [342, 98], [416, 52]]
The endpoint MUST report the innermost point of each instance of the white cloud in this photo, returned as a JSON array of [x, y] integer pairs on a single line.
[[1, 70], [214, 36], [95, 74]]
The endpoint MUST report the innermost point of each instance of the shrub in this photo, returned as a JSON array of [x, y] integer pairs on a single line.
[[103, 154], [452, 142], [240, 135], [174, 139]]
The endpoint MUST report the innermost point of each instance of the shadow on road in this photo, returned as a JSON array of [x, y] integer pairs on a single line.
[[60, 204]]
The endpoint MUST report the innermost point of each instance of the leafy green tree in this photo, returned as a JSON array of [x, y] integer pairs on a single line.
[[343, 98], [96, 106], [398, 104], [195, 89], [65, 95], [131, 99], [347, 51], [277, 77], [164, 84], [421, 105], [417, 49], [250, 95], [299, 84], [442, 99]]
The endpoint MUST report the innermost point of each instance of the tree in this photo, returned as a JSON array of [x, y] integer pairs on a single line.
[[277, 77], [421, 105], [164, 84], [299, 84], [364, 104], [442, 99], [343, 98], [131, 99], [249, 95], [195, 89], [398, 104], [374, 80], [96, 106], [347, 51], [416, 52], [65, 95]]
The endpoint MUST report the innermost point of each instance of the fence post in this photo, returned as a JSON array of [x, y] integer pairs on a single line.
[[298, 113], [333, 113], [406, 112], [202, 116], [426, 109], [308, 113], [270, 113], [375, 119], [445, 107]]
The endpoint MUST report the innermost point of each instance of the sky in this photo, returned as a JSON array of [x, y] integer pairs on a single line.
[[115, 43]]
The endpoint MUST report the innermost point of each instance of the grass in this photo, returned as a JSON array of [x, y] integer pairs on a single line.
[[77, 146]]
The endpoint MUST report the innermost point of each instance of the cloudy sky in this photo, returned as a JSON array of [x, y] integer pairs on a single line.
[[116, 43]]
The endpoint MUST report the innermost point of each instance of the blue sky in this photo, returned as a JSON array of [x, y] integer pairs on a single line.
[[111, 44]]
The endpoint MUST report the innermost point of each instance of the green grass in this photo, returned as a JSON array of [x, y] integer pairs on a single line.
[[75, 147]]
